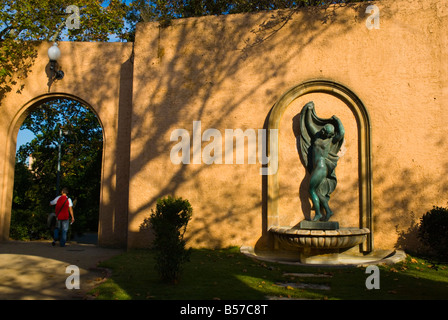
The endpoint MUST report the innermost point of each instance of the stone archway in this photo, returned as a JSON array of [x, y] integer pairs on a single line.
[[11, 136], [364, 149], [103, 81], [111, 230]]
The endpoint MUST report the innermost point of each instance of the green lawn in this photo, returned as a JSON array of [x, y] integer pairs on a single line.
[[229, 275]]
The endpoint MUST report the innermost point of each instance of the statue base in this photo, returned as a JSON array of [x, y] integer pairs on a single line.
[[318, 225]]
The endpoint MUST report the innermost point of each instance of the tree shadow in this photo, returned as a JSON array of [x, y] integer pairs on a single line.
[[177, 78], [37, 270], [400, 193], [172, 76]]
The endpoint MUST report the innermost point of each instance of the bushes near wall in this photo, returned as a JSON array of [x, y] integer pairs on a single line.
[[169, 222], [433, 231]]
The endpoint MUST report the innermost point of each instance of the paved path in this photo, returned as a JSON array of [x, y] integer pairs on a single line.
[[36, 271]]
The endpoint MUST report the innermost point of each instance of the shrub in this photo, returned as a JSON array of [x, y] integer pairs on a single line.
[[169, 222], [433, 231], [27, 224]]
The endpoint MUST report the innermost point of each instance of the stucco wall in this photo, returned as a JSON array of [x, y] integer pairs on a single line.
[[229, 71]]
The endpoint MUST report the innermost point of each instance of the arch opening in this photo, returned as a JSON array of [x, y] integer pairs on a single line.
[[75, 141]]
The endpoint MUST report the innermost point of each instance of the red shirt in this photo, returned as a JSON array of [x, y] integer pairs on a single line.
[[63, 208]]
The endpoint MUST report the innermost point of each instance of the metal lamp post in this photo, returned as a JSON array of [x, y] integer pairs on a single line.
[[58, 175]]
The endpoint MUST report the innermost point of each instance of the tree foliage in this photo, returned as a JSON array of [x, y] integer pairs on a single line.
[[433, 231], [22, 22], [73, 127]]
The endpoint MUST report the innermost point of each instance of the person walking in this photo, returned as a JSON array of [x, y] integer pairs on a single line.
[[63, 211]]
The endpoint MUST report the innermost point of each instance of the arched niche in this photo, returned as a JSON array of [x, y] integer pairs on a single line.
[[364, 149]]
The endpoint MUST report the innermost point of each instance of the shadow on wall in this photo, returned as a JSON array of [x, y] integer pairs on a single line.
[[404, 190], [408, 239], [111, 78], [181, 95]]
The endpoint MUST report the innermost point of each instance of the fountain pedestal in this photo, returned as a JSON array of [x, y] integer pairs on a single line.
[[319, 225]]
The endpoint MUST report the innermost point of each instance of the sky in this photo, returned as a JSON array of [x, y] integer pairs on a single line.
[[23, 137]]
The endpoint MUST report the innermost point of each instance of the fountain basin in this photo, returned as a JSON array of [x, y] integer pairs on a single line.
[[343, 238]]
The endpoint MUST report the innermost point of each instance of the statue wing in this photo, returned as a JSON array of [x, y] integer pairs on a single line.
[[306, 135]]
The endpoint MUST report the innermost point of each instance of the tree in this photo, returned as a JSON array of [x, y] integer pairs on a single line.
[[73, 127], [26, 222], [22, 22]]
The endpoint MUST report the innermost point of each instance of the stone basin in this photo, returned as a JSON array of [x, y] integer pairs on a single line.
[[343, 238]]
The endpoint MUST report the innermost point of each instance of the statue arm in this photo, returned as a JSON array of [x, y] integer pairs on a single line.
[[309, 107], [340, 130]]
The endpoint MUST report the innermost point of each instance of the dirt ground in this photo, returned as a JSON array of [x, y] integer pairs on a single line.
[[36, 270]]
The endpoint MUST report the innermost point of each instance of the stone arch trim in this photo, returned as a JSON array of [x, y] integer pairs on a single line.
[[8, 167], [364, 148], [24, 111]]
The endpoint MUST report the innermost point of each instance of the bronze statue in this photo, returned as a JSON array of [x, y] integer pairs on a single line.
[[320, 141]]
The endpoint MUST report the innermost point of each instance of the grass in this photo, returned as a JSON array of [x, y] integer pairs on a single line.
[[227, 274]]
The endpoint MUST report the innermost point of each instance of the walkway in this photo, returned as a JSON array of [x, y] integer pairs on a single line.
[[36, 271]]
